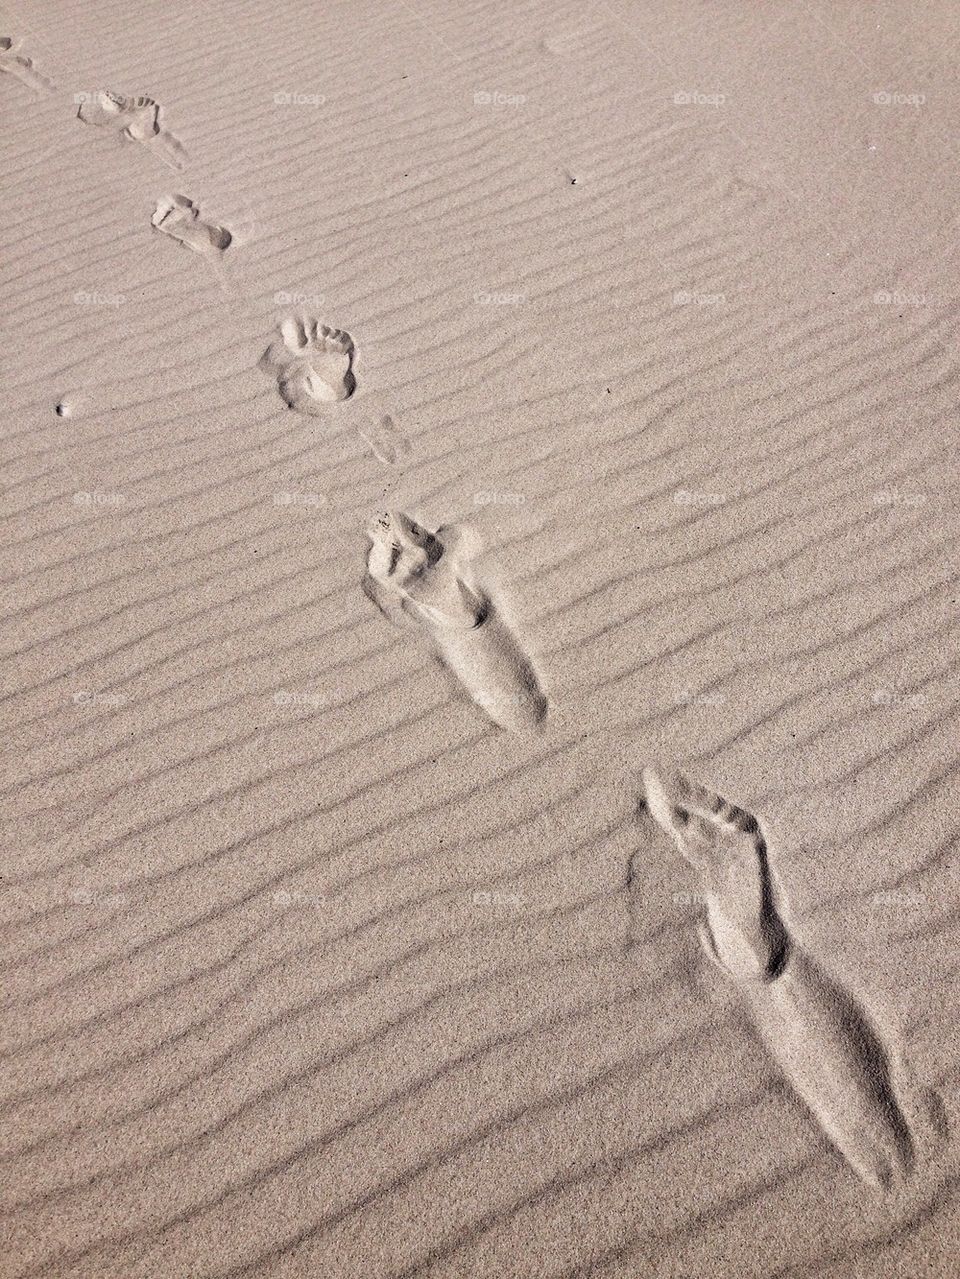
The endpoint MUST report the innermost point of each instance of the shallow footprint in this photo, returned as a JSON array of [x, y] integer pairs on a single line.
[[179, 218], [19, 65], [313, 364], [424, 581], [386, 443], [134, 119], [825, 1043]]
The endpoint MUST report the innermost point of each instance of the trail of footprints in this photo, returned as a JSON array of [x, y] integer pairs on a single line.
[[424, 580], [427, 584]]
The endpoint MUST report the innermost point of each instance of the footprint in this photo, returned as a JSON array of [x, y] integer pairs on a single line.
[[824, 1042], [744, 930], [386, 442], [179, 218], [18, 64], [133, 119], [313, 364], [424, 581]]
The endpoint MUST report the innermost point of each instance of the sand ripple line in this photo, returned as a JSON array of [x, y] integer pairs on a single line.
[[425, 581], [824, 1042]]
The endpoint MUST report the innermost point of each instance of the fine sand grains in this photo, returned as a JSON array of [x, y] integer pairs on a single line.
[[542, 395]]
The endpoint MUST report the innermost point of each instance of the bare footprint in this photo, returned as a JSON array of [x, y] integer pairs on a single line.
[[824, 1042], [179, 218], [386, 443], [133, 119], [19, 65], [724, 844], [425, 582], [313, 364]]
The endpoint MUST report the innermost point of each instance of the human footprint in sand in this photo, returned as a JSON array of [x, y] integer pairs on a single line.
[[179, 218], [824, 1042], [133, 119], [313, 364], [743, 930], [425, 581], [17, 64]]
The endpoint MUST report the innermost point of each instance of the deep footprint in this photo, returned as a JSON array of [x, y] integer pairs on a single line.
[[313, 365], [133, 119], [179, 218], [424, 581], [17, 64], [824, 1042]]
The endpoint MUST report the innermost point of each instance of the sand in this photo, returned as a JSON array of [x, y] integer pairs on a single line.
[[419, 420]]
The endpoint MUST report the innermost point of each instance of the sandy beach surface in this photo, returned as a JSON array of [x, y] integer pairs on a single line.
[[439, 440]]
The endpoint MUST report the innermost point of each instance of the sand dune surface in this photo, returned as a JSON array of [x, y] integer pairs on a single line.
[[480, 640]]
